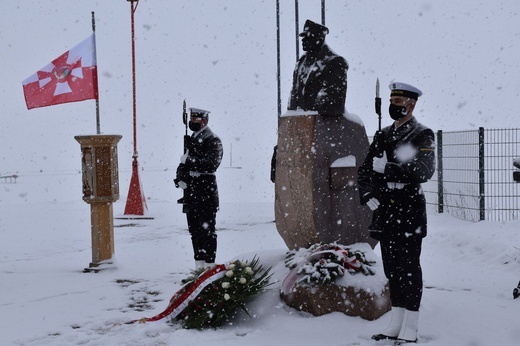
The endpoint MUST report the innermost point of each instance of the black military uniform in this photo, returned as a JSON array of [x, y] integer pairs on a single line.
[[201, 201], [399, 221], [320, 76]]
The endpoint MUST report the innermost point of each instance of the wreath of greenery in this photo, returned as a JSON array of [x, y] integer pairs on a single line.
[[327, 267], [218, 302]]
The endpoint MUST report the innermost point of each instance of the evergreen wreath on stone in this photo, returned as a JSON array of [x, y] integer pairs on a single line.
[[323, 263]]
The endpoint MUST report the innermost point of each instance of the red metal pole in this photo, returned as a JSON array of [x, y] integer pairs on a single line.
[[133, 9], [135, 202]]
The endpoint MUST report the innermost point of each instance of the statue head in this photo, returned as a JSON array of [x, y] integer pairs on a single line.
[[313, 36]]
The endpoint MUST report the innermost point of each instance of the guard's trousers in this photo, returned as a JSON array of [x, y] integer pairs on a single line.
[[401, 261], [201, 226]]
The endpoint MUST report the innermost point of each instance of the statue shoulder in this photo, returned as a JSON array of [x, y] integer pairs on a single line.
[[330, 56]]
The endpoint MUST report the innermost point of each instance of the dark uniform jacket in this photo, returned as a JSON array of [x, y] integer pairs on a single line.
[[205, 155], [320, 83], [411, 161]]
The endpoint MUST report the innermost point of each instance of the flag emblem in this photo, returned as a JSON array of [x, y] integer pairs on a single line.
[[69, 78], [61, 73]]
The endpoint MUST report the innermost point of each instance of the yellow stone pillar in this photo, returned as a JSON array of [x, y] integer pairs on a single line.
[[102, 221], [100, 177]]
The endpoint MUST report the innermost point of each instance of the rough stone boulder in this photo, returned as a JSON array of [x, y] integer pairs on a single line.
[[320, 300], [353, 294]]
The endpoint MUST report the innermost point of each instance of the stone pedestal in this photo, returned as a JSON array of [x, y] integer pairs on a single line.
[[354, 294], [321, 300], [102, 233], [316, 199]]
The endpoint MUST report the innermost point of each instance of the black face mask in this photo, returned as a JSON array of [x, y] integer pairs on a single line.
[[194, 126], [397, 112]]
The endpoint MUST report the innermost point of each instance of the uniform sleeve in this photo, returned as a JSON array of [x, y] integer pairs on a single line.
[[421, 167]]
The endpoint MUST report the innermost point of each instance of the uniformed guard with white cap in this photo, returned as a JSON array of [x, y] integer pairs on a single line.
[[196, 174], [405, 90], [400, 158]]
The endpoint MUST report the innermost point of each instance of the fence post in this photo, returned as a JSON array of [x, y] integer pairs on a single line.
[[481, 173], [440, 183]]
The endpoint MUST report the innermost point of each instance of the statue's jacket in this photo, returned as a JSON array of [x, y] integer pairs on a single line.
[[320, 83]]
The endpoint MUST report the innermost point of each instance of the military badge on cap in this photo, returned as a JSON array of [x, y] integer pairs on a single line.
[[198, 113], [403, 89]]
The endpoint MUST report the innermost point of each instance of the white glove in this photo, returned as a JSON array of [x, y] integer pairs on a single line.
[[372, 203], [184, 157], [379, 163], [182, 185]]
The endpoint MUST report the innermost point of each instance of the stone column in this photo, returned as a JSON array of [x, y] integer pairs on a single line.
[[316, 196]]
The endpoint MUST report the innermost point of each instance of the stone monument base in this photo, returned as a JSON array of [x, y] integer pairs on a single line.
[[316, 193], [320, 300], [354, 294]]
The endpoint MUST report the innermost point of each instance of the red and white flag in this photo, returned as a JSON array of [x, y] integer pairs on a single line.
[[69, 78]]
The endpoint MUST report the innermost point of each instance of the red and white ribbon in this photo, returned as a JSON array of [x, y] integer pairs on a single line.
[[182, 298]]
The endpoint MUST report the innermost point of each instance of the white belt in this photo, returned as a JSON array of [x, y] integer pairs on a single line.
[[397, 186], [198, 174]]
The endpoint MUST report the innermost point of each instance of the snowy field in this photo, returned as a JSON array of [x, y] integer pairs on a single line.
[[220, 55], [470, 270]]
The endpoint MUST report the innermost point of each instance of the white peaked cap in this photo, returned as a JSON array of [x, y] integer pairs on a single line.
[[200, 113], [403, 89]]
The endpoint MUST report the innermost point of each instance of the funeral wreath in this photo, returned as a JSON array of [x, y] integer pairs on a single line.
[[219, 301], [324, 263]]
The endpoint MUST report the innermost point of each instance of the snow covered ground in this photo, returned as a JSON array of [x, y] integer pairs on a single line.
[[470, 270], [221, 55]]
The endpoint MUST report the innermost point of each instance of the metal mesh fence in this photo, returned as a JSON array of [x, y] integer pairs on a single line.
[[474, 178]]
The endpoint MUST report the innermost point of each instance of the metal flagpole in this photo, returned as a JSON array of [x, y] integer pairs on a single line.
[[133, 9], [98, 126], [278, 57], [296, 26], [135, 202], [323, 12]]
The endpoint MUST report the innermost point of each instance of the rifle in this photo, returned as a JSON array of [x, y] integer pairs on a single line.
[[378, 103], [377, 179], [185, 122], [378, 137], [182, 172]]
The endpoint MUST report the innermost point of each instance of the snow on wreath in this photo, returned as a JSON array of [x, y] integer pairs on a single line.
[[323, 263], [211, 297]]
